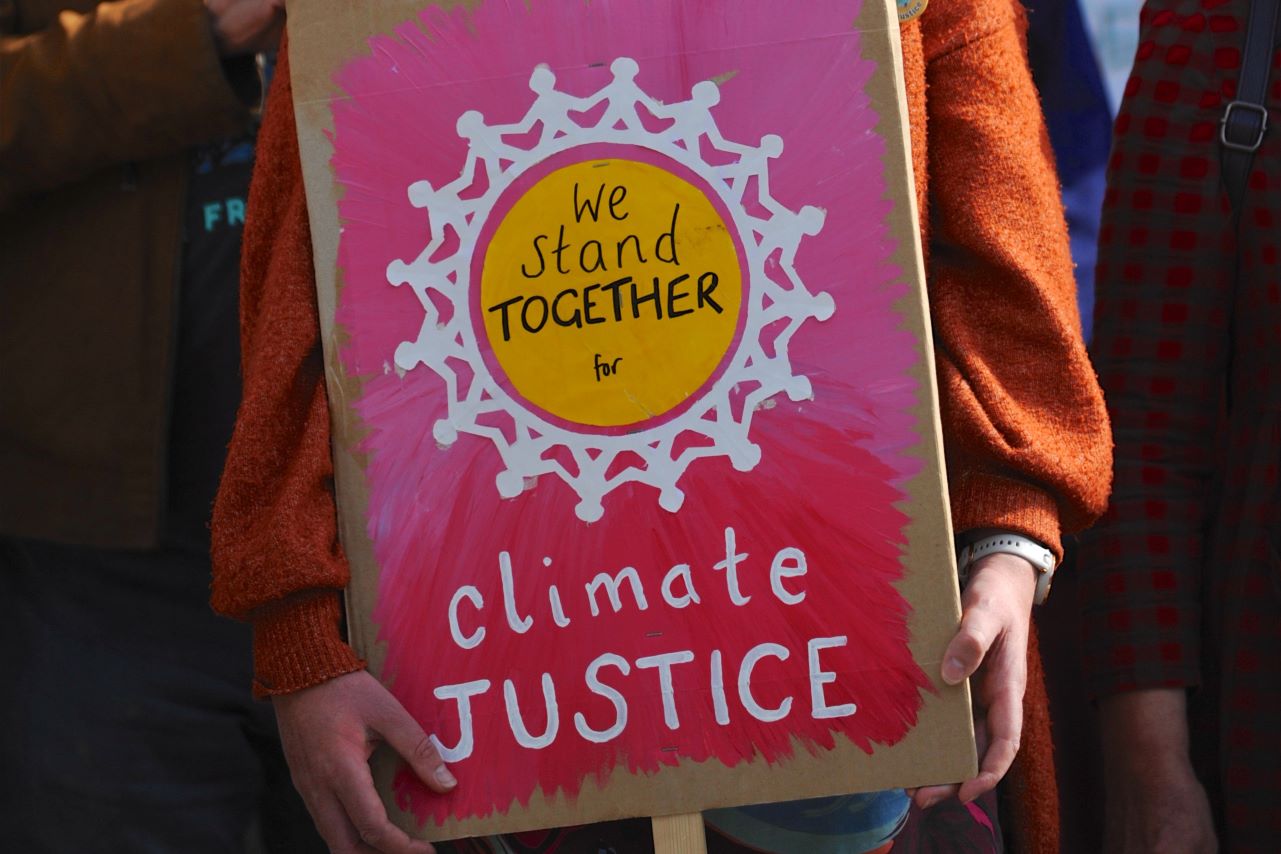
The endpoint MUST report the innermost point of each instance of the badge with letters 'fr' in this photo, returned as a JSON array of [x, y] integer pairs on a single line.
[[636, 439]]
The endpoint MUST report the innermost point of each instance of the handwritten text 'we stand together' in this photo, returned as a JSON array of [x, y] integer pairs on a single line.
[[471, 619], [605, 301]]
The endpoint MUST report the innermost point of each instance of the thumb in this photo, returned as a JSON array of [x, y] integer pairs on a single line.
[[407, 738], [979, 628]]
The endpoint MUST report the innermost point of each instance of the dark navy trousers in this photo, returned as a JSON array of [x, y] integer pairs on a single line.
[[127, 724]]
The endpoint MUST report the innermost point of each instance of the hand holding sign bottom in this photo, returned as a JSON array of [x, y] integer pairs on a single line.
[[328, 732], [991, 645]]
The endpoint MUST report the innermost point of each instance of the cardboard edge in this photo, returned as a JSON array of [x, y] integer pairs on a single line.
[[796, 775]]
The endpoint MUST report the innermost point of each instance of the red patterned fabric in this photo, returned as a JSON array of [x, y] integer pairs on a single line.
[[1181, 580]]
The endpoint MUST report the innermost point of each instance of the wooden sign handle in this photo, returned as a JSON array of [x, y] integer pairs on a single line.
[[679, 834]]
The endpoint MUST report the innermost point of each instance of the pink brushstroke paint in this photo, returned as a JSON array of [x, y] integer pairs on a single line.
[[831, 470]]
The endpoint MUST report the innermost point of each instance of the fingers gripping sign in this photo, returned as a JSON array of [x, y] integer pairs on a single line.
[[329, 732], [991, 647]]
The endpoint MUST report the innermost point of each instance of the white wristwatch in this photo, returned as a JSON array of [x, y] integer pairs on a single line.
[[1012, 544]]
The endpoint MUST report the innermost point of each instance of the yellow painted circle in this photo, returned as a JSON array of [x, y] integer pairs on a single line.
[[610, 292]]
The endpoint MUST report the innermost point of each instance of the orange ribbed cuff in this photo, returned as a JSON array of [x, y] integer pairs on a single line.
[[298, 643], [985, 500]]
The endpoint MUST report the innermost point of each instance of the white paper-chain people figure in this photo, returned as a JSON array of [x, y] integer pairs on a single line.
[[555, 122]]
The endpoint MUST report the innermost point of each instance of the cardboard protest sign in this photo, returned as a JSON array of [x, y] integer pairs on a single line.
[[635, 427]]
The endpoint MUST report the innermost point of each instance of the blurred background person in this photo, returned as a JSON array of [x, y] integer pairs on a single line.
[[1182, 579], [1074, 97], [125, 153]]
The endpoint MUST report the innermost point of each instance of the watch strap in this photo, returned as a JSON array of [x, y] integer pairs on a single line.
[[1013, 544]]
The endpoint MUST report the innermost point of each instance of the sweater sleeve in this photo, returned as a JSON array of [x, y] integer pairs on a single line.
[[277, 559], [1025, 430], [131, 80]]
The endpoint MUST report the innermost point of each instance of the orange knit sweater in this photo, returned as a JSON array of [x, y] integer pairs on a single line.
[[1026, 435]]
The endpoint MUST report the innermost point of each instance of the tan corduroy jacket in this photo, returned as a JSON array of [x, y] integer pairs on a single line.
[[98, 105]]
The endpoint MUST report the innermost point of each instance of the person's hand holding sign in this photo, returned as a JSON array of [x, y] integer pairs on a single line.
[[991, 644], [328, 733]]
